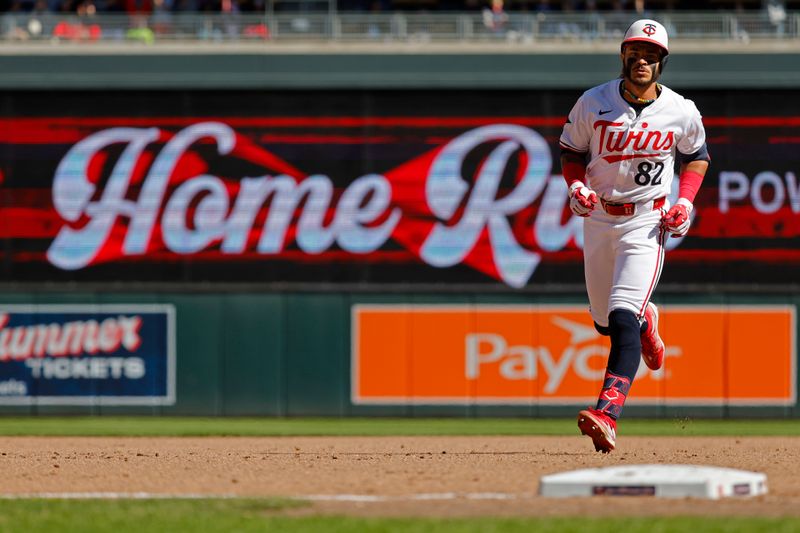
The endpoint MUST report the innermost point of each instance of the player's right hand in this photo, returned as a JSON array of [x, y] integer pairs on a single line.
[[582, 199]]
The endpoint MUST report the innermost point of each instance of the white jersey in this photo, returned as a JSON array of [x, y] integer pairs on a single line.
[[632, 158]]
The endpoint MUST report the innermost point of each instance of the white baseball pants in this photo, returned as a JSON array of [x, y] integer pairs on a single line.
[[622, 257]]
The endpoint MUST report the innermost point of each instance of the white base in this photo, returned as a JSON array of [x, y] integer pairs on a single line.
[[663, 481]]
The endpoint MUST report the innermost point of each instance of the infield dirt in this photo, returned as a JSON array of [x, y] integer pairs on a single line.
[[461, 476]]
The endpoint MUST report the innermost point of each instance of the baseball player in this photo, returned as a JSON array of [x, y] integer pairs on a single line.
[[618, 152]]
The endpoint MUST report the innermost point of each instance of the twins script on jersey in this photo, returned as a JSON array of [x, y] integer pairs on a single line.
[[631, 157]]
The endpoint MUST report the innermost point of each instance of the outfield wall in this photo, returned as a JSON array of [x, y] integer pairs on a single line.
[[288, 235], [362, 354]]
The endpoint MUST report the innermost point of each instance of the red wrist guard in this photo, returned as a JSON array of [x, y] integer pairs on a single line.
[[690, 184], [573, 171]]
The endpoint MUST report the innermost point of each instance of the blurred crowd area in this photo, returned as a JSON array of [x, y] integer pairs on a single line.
[[88, 7], [149, 7], [149, 21]]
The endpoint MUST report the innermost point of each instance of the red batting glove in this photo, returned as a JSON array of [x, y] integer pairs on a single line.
[[582, 199], [677, 220]]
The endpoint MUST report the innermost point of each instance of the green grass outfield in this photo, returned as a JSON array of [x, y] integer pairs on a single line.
[[244, 515], [183, 426]]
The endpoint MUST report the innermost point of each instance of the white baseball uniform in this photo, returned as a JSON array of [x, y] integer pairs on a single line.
[[631, 161]]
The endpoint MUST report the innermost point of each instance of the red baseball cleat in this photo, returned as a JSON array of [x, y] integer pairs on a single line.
[[600, 427], [652, 345]]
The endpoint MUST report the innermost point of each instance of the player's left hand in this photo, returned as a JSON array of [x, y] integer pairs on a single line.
[[582, 199], [677, 220]]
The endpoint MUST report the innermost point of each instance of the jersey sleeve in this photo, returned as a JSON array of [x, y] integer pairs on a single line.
[[576, 134], [694, 137]]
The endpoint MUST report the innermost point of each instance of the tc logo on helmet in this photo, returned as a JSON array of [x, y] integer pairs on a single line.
[[649, 29]]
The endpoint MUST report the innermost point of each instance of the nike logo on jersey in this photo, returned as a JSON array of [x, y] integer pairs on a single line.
[[601, 112]]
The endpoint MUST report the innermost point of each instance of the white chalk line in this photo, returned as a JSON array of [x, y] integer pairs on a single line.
[[355, 498], [437, 496]]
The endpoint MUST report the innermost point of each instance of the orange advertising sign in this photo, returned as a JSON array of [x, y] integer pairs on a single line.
[[549, 354]]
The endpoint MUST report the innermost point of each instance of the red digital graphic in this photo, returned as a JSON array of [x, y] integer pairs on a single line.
[[475, 198]]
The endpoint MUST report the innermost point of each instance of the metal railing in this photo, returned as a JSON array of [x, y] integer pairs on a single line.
[[398, 27]]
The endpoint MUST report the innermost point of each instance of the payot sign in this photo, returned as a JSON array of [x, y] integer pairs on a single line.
[[87, 355], [485, 354]]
